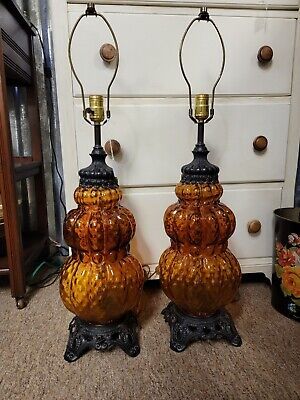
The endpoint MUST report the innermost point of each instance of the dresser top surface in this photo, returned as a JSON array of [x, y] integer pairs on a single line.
[[257, 4]]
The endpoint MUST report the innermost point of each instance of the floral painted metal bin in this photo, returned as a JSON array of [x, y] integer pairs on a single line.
[[286, 274]]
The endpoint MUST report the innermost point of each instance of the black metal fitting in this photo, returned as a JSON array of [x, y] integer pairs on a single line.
[[204, 15], [90, 9]]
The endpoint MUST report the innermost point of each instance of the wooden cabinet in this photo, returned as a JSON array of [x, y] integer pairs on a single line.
[[21, 173], [253, 138]]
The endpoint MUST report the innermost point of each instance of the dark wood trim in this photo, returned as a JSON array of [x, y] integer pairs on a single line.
[[26, 170], [11, 43], [14, 73], [4, 271], [2, 231], [8, 193], [21, 160], [12, 7]]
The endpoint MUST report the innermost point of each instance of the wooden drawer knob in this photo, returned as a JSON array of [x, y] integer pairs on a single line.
[[254, 226], [260, 143], [108, 52], [112, 147], [265, 54]]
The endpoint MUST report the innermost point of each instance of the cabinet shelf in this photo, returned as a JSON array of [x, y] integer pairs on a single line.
[[25, 167], [33, 246]]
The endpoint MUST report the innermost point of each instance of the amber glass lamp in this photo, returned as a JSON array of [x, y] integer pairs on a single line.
[[198, 272], [101, 282]]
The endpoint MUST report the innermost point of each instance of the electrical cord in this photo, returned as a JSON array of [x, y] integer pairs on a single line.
[[51, 283], [48, 279], [151, 275], [60, 247], [147, 272]]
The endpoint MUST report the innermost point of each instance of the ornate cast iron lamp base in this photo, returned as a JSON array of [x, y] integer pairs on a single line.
[[185, 329], [85, 336]]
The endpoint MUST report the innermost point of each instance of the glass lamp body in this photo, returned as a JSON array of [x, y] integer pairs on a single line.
[[100, 281], [198, 272]]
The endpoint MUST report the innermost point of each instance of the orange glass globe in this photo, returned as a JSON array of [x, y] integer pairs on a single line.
[[101, 281], [198, 272]]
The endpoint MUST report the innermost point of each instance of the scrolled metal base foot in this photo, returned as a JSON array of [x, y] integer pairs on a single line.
[[185, 329], [85, 336]]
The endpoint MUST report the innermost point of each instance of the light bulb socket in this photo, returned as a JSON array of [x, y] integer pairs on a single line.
[[96, 110], [201, 107]]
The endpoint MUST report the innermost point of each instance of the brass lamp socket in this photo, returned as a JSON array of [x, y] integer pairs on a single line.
[[97, 109], [201, 106]]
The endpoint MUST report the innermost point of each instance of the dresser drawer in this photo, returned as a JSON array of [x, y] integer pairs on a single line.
[[157, 137], [149, 46], [248, 203]]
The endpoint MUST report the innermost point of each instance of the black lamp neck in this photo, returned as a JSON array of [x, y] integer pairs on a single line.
[[98, 173], [200, 170]]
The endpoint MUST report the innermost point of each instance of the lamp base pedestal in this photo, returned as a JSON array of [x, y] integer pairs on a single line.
[[185, 329], [85, 336]]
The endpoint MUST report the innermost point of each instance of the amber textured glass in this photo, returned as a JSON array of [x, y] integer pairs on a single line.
[[100, 281], [198, 272]]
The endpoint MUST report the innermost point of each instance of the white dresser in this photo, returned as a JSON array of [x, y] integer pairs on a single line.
[[150, 109]]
